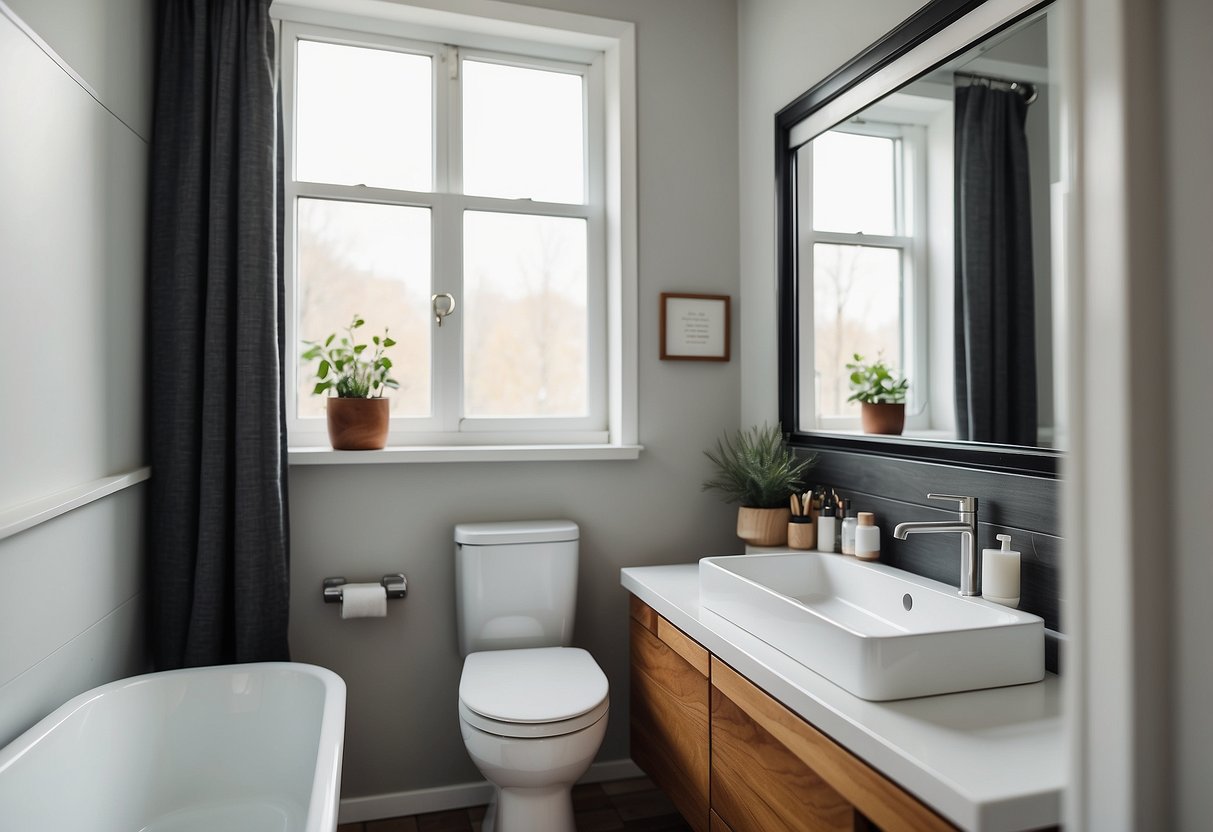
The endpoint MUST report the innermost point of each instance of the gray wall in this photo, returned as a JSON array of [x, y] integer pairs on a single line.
[[1188, 125], [75, 99], [784, 47], [362, 521]]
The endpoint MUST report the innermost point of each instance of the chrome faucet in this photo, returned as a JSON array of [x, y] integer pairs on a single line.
[[966, 525]]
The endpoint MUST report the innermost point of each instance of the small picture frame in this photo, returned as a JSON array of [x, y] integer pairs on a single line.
[[694, 327]]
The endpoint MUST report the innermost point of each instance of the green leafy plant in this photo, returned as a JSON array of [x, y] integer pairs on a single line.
[[874, 383], [345, 368], [756, 468]]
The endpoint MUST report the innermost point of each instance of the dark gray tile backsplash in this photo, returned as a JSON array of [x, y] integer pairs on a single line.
[[1024, 507]]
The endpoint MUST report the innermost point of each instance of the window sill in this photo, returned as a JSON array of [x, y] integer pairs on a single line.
[[908, 433], [463, 453]]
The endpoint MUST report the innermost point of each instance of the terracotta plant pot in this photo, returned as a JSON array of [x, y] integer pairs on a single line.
[[763, 526], [887, 419], [357, 424]]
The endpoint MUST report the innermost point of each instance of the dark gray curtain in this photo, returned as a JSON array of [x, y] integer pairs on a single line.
[[217, 527], [995, 350]]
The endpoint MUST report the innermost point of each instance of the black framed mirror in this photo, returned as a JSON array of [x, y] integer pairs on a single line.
[[904, 233]]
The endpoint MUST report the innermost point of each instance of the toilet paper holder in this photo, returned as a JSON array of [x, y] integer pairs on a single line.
[[395, 584]]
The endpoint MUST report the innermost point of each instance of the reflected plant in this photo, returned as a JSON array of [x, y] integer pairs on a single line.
[[874, 383], [346, 370]]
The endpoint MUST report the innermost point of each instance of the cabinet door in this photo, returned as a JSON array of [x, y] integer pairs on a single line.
[[716, 824], [758, 785], [669, 712], [771, 770]]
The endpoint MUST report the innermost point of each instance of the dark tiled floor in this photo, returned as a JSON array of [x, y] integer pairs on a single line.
[[627, 805]]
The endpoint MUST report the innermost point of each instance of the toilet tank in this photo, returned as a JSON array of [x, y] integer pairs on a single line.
[[515, 584]]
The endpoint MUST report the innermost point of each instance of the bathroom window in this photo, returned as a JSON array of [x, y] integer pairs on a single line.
[[423, 175], [862, 228]]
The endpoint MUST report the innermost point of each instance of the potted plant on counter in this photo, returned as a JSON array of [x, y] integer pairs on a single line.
[[757, 469], [881, 394], [357, 411]]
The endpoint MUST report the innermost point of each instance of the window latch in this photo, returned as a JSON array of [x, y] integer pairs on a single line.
[[441, 310]]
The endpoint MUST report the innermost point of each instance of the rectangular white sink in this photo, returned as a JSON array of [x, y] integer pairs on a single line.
[[875, 631]]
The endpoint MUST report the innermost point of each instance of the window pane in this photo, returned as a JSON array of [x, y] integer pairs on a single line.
[[853, 184], [374, 261], [857, 309], [523, 133], [364, 117], [525, 335]]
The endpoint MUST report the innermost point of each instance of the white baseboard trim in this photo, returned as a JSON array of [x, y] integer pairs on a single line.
[[459, 796]]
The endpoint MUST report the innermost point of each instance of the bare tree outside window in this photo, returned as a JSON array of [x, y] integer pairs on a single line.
[[526, 338], [373, 261], [857, 300]]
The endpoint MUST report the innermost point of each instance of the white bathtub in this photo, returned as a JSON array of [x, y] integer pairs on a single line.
[[240, 748]]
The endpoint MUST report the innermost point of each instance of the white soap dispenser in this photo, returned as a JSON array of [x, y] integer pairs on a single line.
[[1000, 574]]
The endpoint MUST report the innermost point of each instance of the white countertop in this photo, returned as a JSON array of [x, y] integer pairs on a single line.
[[988, 760]]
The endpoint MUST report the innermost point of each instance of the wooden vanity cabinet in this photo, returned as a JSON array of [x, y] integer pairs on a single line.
[[669, 712], [757, 782], [734, 759], [772, 770]]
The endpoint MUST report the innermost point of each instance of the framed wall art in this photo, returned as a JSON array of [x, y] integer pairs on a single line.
[[694, 327]]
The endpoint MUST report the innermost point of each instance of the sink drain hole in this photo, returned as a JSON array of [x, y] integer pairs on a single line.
[[907, 602]]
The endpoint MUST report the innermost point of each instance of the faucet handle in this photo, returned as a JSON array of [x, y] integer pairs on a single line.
[[967, 504]]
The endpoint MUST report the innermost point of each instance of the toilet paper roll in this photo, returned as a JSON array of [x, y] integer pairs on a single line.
[[363, 601]]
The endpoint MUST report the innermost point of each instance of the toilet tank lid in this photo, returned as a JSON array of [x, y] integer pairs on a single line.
[[516, 531]]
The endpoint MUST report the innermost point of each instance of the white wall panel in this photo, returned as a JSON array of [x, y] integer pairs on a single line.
[[107, 43], [71, 279], [66, 575], [104, 652], [73, 179]]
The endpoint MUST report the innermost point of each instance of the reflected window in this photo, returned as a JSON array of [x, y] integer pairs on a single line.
[[857, 306], [861, 225]]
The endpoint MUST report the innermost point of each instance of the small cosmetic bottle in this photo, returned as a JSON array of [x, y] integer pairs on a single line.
[[1000, 573], [826, 522], [867, 537], [849, 522]]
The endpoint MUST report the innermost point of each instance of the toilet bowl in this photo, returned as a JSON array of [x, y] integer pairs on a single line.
[[532, 721], [532, 710]]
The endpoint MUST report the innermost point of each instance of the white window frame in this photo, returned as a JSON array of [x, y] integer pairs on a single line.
[[910, 238], [603, 52]]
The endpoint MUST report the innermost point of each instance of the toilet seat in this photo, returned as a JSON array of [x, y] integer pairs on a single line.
[[535, 692], [532, 730]]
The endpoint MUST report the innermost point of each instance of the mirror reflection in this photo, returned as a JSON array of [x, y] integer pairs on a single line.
[[924, 241]]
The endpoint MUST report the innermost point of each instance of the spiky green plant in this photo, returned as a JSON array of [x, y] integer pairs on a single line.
[[756, 468]]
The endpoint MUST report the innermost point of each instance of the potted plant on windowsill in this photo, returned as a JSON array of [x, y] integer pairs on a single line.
[[357, 412], [881, 394], [757, 469]]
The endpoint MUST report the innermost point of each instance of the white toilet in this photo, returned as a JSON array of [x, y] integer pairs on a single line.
[[532, 710]]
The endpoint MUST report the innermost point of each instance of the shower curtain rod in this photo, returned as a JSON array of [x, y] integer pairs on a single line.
[[1023, 87]]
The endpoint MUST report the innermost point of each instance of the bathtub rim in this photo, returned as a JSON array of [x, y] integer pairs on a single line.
[[325, 797]]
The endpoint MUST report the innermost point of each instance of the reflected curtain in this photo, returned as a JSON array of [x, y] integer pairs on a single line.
[[217, 517], [995, 349]]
